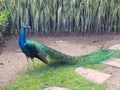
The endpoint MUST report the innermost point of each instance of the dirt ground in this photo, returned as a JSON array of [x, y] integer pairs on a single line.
[[12, 60]]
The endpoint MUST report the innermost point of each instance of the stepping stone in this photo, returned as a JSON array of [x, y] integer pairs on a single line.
[[55, 88], [115, 47], [93, 75], [113, 62]]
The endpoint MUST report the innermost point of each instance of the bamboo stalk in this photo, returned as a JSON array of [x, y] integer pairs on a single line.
[[51, 16]]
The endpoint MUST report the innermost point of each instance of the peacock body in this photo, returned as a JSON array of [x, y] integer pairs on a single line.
[[34, 49]]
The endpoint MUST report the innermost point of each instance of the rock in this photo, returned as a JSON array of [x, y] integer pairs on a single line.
[[115, 62], [56, 88], [93, 75], [115, 47]]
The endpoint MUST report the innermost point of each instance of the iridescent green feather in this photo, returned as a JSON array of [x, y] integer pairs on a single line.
[[95, 57]]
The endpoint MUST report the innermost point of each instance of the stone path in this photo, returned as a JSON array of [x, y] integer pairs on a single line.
[[95, 76], [116, 61], [113, 62], [55, 88], [115, 47]]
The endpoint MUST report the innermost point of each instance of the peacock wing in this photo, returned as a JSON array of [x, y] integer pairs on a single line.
[[35, 51]]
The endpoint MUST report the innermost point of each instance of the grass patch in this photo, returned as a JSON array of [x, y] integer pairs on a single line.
[[54, 74], [61, 74]]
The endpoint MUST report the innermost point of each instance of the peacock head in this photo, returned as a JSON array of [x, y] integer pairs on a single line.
[[25, 26]]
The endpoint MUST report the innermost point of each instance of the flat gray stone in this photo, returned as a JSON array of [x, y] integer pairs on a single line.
[[93, 75], [115, 47], [113, 62], [55, 88]]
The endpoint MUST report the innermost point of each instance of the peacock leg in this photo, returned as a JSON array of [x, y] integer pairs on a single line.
[[33, 63], [27, 58]]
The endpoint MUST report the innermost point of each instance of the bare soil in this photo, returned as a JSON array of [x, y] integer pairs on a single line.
[[12, 60]]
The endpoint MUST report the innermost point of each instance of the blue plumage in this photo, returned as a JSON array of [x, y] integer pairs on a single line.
[[35, 49], [29, 47]]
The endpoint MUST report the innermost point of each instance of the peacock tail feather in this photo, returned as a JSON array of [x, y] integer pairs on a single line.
[[95, 57], [44, 53]]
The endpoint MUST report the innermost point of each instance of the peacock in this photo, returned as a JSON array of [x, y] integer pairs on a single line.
[[33, 49]]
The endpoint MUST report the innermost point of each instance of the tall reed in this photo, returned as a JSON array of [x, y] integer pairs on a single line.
[[57, 16]]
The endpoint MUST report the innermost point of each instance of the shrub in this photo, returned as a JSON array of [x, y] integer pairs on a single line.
[[4, 18], [57, 16], [4, 21]]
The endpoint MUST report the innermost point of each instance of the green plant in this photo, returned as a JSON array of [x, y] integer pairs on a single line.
[[3, 21], [54, 75], [79, 16]]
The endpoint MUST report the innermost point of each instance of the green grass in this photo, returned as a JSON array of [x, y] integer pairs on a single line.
[[60, 74], [54, 74]]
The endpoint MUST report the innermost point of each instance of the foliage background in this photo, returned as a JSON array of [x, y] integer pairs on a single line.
[[60, 16], [4, 22]]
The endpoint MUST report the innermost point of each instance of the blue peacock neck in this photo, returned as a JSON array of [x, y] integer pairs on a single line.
[[22, 38]]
